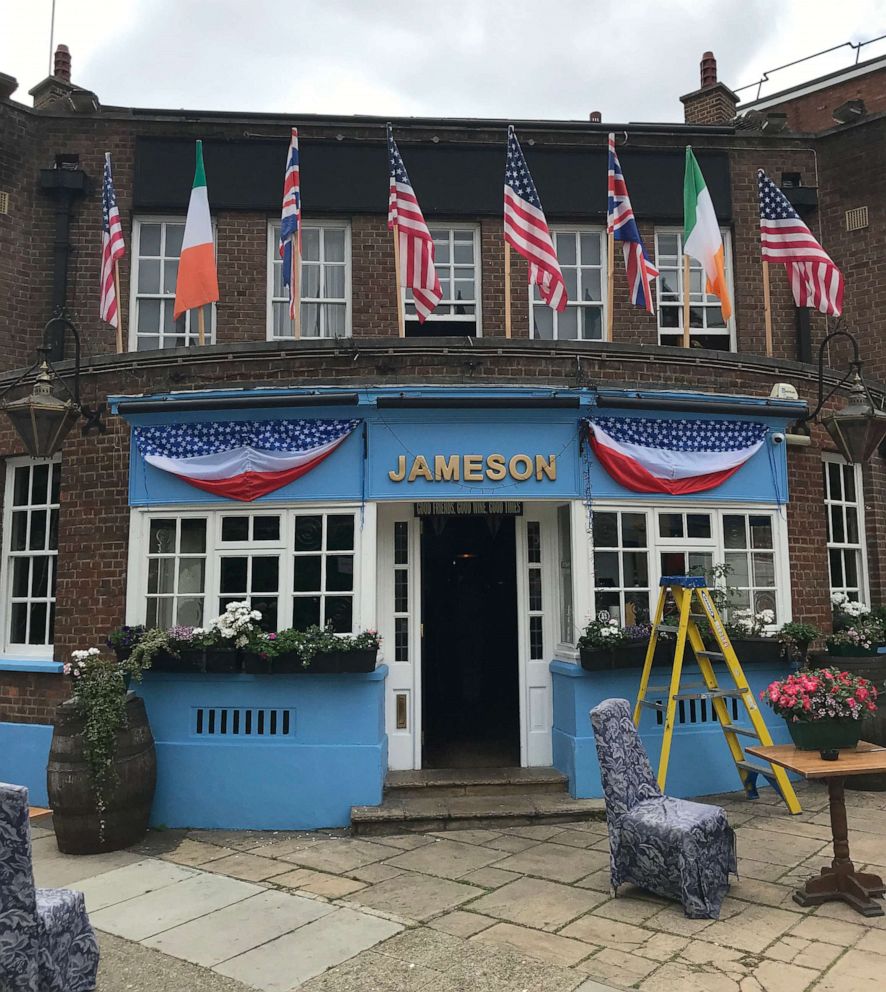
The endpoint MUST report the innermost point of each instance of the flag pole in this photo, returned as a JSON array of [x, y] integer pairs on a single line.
[[401, 316], [507, 290], [610, 283], [119, 308], [767, 309], [296, 286], [201, 326], [685, 301]]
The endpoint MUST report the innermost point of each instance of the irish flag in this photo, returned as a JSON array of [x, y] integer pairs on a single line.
[[197, 282], [701, 233]]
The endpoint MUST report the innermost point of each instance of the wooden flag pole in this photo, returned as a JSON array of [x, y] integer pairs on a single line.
[[201, 327], [767, 309], [401, 316], [507, 290], [610, 283], [296, 286], [119, 308], [685, 301]]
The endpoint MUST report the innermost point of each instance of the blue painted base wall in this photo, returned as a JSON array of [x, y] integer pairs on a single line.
[[335, 758], [700, 762], [24, 753]]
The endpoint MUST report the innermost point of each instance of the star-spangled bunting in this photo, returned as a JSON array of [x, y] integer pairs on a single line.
[[786, 240], [526, 229], [416, 246], [683, 435], [212, 437], [113, 248], [621, 223]]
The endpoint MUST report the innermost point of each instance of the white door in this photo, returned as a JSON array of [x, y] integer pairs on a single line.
[[399, 610], [536, 597]]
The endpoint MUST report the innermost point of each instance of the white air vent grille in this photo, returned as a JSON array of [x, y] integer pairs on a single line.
[[4, 203], [234, 721], [856, 219]]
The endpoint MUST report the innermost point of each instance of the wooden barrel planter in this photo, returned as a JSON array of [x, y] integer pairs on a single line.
[[72, 794]]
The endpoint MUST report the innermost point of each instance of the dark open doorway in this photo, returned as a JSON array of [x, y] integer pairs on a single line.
[[470, 683]]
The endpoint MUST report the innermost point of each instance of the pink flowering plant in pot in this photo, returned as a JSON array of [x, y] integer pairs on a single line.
[[823, 708]]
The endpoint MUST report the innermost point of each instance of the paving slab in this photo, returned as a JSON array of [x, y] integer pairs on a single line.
[[536, 902], [338, 856], [621, 967], [236, 929], [289, 961], [556, 862], [603, 932], [751, 929], [856, 970], [248, 867], [461, 923], [195, 853], [52, 869], [415, 897], [775, 847], [536, 943], [445, 858], [131, 881], [172, 905], [490, 878]]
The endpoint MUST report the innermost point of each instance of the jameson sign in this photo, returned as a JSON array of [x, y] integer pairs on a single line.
[[469, 508]]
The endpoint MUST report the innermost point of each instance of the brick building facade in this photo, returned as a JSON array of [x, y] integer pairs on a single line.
[[96, 590]]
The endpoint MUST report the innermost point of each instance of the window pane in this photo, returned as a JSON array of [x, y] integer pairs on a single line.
[[310, 243], [567, 324], [535, 589], [340, 573], [850, 563], [698, 525], [161, 575], [700, 563], [636, 572], [56, 483], [37, 536], [592, 323], [149, 239], [40, 484], [191, 574], [849, 483], [19, 530], [235, 528], [570, 277], [340, 532], [636, 608], [566, 248], [606, 569], [189, 611], [18, 627], [590, 249], [838, 535], [334, 279], [310, 282], [836, 562], [233, 575], [162, 538], [20, 569], [307, 573], [170, 276], [265, 573], [608, 601], [37, 633], [334, 245], [761, 532], [738, 564], [193, 536], [149, 275], [401, 541], [851, 525], [670, 524], [591, 286], [633, 530], [22, 486], [340, 612], [542, 321], [734, 531], [305, 612], [267, 606], [334, 319], [310, 320], [764, 570], [148, 319], [308, 533], [835, 479], [605, 529], [266, 528]]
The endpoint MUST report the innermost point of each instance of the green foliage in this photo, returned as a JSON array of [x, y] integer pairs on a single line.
[[151, 643], [315, 640]]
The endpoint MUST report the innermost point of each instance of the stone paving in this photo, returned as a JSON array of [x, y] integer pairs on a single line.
[[497, 910]]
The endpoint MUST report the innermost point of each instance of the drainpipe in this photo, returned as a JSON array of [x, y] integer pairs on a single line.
[[65, 183]]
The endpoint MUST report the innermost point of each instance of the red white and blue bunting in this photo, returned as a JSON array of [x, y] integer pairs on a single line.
[[238, 459], [673, 456]]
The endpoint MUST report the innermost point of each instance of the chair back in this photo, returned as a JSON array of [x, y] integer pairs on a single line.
[[624, 765], [18, 903]]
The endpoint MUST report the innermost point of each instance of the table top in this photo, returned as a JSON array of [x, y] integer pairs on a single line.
[[864, 759]]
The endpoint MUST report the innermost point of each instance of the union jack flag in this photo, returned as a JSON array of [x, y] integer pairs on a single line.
[[416, 245], [526, 229], [784, 238], [623, 226], [290, 221], [112, 247]]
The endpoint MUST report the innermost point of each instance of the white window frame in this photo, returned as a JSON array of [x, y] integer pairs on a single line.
[[37, 652], [576, 230], [139, 531], [135, 296], [273, 256], [674, 335], [477, 317], [827, 458], [655, 545]]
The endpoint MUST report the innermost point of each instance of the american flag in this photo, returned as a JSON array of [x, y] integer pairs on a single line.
[[112, 247], [526, 229], [785, 239], [623, 226], [290, 221], [417, 270]]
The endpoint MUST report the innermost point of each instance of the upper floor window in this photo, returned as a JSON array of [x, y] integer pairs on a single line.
[[844, 506], [157, 244], [457, 261], [30, 550], [707, 329], [581, 255], [325, 282]]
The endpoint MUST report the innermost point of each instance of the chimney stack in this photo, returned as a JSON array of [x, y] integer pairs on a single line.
[[713, 102], [62, 63], [596, 117]]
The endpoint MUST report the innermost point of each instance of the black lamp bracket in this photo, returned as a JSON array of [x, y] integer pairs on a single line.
[[853, 371]]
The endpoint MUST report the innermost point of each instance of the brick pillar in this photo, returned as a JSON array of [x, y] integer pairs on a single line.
[[713, 102]]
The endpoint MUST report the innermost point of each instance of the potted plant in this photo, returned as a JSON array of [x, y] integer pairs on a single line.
[[225, 636], [796, 636], [124, 639], [319, 650], [749, 634], [599, 642], [102, 768], [823, 707]]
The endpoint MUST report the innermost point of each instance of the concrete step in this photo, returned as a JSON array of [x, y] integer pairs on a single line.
[[451, 782], [436, 812]]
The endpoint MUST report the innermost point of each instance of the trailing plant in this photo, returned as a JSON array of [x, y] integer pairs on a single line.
[[821, 694], [797, 636], [151, 643]]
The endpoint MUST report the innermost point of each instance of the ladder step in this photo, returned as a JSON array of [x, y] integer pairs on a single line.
[[765, 770], [649, 704], [698, 616], [667, 628], [716, 655], [742, 731], [712, 694]]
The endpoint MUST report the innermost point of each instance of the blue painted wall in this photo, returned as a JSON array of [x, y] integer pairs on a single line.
[[700, 762], [335, 758], [24, 754]]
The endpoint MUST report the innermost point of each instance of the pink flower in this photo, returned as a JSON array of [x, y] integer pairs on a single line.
[[861, 694]]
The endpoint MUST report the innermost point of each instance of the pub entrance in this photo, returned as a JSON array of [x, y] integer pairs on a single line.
[[470, 674]]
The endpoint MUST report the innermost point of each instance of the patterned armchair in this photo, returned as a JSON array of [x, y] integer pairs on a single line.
[[46, 941], [672, 847]]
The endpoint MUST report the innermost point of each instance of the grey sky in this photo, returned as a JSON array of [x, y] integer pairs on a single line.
[[524, 58]]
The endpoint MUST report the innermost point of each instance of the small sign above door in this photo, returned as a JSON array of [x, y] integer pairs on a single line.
[[469, 508]]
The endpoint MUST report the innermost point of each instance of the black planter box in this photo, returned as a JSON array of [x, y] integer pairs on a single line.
[[223, 660], [187, 660], [257, 664], [630, 655], [328, 663], [760, 650]]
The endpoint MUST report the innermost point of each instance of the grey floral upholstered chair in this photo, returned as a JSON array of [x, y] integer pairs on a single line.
[[672, 847], [46, 941]]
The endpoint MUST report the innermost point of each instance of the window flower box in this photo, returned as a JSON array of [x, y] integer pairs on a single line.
[[353, 661]]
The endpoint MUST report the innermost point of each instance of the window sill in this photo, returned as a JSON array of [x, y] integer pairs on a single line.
[[31, 665]]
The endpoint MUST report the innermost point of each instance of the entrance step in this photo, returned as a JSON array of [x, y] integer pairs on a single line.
[[453, 799]]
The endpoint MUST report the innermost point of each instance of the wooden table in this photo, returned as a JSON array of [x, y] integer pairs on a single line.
[[841, 881]]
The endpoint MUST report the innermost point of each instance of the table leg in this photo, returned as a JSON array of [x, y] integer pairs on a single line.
[[841, 881]]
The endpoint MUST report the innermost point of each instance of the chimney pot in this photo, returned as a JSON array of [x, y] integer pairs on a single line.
[[708, 70], [596, 117], [62, 63]]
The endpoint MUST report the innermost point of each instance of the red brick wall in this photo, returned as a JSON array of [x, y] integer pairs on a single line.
[[31, 697], [710, 105], [813, 112]]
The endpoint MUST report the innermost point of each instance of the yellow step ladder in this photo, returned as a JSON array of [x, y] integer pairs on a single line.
[[686, 591]]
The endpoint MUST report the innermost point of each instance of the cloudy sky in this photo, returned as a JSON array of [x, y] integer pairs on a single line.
[[630, 59]]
